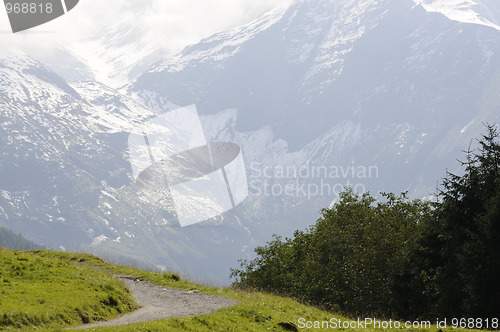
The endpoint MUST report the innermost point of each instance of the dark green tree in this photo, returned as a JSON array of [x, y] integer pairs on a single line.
[[455, 267], [402, 258]]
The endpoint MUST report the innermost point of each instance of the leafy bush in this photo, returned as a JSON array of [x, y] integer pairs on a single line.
[[347, 261]]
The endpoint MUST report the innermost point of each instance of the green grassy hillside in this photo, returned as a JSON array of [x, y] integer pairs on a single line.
[[53, 290], [49, 289]]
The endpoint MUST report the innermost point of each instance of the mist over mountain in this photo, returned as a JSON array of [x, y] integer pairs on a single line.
[[380, 95]]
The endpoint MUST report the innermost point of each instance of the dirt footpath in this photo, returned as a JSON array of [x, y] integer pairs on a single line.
[[156, 302]]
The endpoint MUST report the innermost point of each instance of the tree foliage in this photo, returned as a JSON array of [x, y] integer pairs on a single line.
[[400, 257], [347, 261], [10, 240], [456, 264]]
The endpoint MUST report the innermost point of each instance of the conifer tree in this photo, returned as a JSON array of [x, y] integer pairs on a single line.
[[458, 258]]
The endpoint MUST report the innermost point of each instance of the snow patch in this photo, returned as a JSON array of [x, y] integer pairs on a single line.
[[98, 240], [457, 10], [464, 129], [4, 213], [5, 194]]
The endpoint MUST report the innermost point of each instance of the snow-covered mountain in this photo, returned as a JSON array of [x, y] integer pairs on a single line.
[[381, 95], [66, 177], [411, 80]]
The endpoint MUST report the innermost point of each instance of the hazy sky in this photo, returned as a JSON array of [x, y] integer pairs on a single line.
[[181, 22]]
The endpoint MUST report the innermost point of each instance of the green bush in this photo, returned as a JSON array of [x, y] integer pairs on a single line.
[[347, 261]]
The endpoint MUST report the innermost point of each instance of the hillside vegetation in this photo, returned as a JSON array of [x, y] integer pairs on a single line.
[[49, 289], [398, 257], [409, 259], [11, 240], [52, 290]]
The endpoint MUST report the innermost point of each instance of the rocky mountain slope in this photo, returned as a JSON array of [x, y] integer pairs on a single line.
[[378, 94]]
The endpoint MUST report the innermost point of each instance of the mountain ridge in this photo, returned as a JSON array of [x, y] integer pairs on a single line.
[[382, 84]]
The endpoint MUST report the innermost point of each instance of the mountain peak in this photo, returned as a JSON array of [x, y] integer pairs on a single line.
[[221, 45]]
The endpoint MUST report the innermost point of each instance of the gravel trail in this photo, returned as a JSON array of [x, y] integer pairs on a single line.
[[156, 302]]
